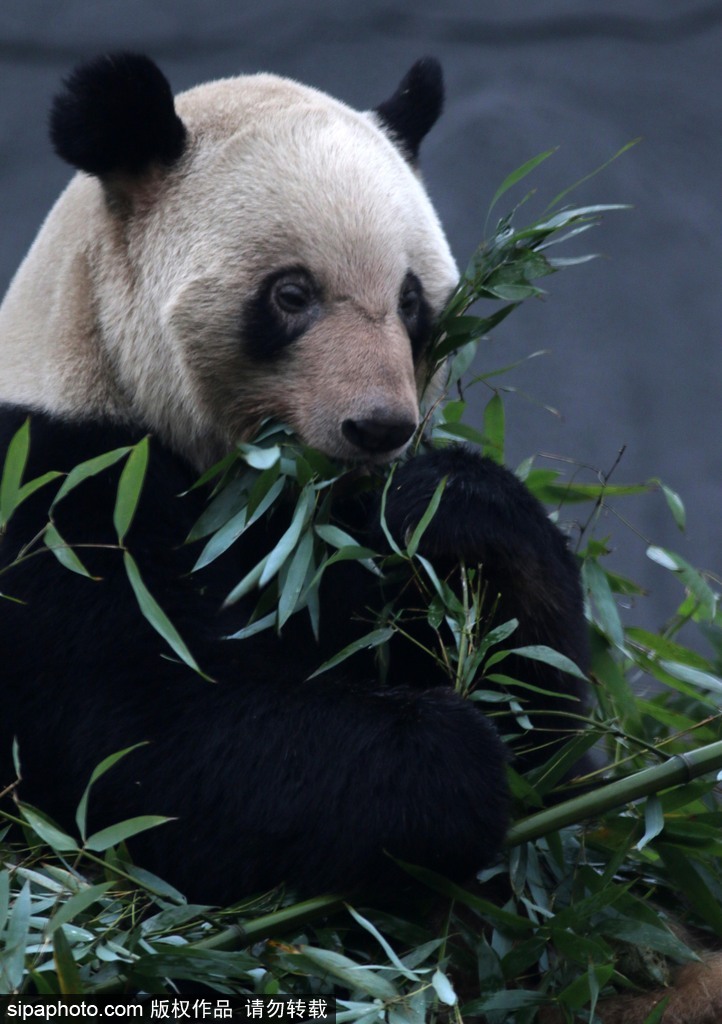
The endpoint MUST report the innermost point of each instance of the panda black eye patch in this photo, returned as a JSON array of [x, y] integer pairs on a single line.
[[283, 307], [415, 313]]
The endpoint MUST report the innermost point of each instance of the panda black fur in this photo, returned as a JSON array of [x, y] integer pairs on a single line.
[[143, 308]]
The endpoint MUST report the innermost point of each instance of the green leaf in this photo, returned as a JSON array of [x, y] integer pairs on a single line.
[[350, 973], [4, 897], [15, 941], [373, 639], [77, 903], [63, 552], [592, 174], [155, 615], [47, 830], [653, 820], [222, 539], [257, 626], [247, 584], [443, 988], [115, 834], [384, 525], [689, 880], [282, 551], [693, 580], [509, 1000], [596, 582], [335, 536], [494, 427], [34, 485], [66, 968], [519, 174], [84, 470], [432, 508], [586, 987], [676, 506], [129, 489], [13, 469], [260, 458], [387, 948], [105, 765], [295, 578], [686, 674], [539, 652]]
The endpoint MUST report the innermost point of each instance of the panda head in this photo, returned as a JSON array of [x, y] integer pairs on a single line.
[[252, 249]]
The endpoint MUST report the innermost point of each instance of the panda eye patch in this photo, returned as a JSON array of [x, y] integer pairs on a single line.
[[415, 313], [285, 305]]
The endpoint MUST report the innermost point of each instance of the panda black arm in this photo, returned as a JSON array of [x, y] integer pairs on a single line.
[[272, 777], [488, 518]]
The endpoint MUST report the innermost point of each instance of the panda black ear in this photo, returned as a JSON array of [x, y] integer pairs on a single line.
[[116, 115], [415, 106]]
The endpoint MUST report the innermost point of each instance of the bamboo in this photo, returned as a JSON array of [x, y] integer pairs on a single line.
[[678, 769]]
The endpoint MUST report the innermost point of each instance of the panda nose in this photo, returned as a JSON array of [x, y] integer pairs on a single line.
[[378, 433]]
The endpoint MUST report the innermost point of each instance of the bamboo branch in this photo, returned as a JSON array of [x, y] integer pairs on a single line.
[[680, 768]]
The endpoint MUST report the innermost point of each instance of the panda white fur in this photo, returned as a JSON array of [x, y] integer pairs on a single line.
[[256, 249], [129, 304]]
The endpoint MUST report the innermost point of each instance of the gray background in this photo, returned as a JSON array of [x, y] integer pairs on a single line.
[[633, 338]]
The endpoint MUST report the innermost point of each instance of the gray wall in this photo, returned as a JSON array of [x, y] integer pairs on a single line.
[[633, 338]]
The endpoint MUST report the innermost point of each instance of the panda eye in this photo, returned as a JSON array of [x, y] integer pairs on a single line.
[[411, 299], [294, 296], [287, 303], [415, 313]]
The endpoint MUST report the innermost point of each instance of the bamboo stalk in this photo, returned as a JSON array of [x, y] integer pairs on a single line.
[[239, 935], [678, 769]]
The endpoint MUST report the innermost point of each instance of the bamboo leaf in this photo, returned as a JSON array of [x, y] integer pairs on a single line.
[[351, 973], [676, 506], [494, 426], [66, 968], [387, 948], [84, 470], [15, 461], [539, 652], [105, 765], [257, 626], [653, 820], [370, 640], [77, 903], [130, 486], [597, 583], [519, 174], [155, 615], [432, 508], [48, 830], [15, 940], [114, 834], [443, 988], [288, 541], [64, 552], [295, 578]]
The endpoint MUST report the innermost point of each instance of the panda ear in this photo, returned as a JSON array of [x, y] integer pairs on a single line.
[[415, 106], [116, 115]]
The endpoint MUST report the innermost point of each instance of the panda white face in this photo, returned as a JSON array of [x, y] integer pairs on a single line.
[[280, 259]]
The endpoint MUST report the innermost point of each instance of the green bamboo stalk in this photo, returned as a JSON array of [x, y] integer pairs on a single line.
[[237, 936], [680, 768]]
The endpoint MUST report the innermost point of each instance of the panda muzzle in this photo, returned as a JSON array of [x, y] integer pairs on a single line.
[[377, 434]]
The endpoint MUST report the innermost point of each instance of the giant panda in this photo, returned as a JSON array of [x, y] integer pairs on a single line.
[[253, 249]]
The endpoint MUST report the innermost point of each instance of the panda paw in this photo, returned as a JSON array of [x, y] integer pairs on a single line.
[[485, 514]]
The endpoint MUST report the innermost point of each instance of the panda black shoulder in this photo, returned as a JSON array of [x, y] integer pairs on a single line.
[[116, 115]]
